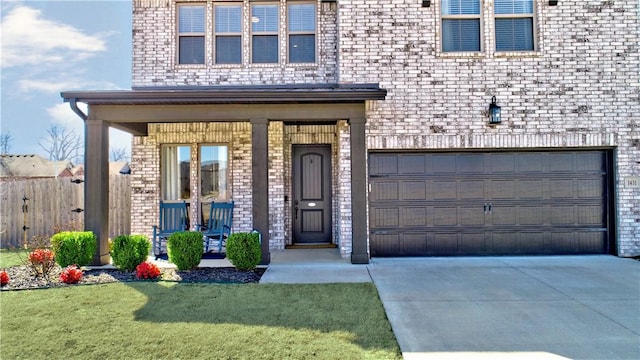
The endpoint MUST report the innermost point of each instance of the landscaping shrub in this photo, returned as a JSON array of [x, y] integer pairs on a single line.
[[41, 262], [185, 249], [147, 270], [74, 247], [243, 250], [71, 274], [4, 278], [128, 251]]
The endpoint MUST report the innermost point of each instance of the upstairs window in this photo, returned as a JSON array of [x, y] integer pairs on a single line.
[[228, 34], [514, 25], [191, 34], [460, 25], [302, 33], [264, 33]]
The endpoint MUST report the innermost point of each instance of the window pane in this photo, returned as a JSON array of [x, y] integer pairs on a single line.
[[176, 164], [228, 50], [514, 34], [460, 35], [191, 50], [213, 173], [302, 48], [302, 17], [264, 18], [513, 6], [228, 19], [265, 48], [191, 19], [460, 7]]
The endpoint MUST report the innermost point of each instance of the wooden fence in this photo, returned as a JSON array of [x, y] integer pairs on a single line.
[[49, 208]]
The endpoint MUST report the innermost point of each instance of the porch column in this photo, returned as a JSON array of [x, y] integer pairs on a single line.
[[260, 182], [359, 247], [96, 186]]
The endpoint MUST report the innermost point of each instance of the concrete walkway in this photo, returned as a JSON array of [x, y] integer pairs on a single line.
[[576, 307]]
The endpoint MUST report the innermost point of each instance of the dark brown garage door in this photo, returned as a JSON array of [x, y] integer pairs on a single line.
[[502, 203]]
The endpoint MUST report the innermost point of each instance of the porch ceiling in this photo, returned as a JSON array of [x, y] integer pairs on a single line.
[[132, 110]]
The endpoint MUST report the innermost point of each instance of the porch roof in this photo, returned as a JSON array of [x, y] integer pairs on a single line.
[[261, 94]]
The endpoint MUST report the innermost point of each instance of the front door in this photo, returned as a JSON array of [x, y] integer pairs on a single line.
[[311, 194]]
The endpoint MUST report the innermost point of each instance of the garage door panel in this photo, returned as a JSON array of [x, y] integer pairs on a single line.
[[473, 243], [443, 190], [561, 189], [529, 162], [415, 190], [502, 189], [415, 216], [504, 215], [471, 189], [471, 216], [489, 203], [530, 189], [445, 216], [531, 215], [412, 164]]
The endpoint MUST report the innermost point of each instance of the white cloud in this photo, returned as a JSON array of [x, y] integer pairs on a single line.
[[62, 115], [29, 39], [45, 86]]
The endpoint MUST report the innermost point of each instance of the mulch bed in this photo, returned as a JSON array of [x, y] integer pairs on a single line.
[[22, 279]]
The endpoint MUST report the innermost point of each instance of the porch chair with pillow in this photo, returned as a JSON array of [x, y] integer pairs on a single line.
[[173, 218], [217, 226]]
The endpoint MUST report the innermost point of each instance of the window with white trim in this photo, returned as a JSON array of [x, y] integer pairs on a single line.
[[461, 25], [191, 34], [301, 24], [264, 33], [228, 34], [213, 173], [514, 26], [176, 165]]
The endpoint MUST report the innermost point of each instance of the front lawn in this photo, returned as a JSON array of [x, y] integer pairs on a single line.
[[163, 320], [13, 257]]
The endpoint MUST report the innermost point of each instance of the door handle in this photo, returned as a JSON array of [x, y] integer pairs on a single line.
[[295, 208]]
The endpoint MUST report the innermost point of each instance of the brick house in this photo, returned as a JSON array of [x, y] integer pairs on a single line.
[[365, 124]]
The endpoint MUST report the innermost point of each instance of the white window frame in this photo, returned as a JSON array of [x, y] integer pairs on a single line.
[[478, 17], [531, 16], [293, 33], [276, 33], [225, 196], [171, 184], [217, 5], [181, 35]]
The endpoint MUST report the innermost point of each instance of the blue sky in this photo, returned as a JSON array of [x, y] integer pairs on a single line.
[[52, 46]]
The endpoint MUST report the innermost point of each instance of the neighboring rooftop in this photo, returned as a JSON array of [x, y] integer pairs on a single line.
[[33, 166]]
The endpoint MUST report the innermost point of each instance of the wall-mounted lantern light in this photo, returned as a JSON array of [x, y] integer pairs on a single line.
[[426, 3], [495, 116]]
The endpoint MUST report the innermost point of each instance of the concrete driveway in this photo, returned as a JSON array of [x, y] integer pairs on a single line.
[[577, 307]]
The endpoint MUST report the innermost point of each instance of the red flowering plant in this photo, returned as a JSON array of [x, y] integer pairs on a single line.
[[4, 278], [147, 270], [41, 262], [71, 274]]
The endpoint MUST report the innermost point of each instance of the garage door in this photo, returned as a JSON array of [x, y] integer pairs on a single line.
[[502, 203]]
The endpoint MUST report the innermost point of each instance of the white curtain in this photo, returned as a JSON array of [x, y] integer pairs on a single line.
[[171, 173]]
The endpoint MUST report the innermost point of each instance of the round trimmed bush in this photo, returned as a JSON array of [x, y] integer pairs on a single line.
[[74, 247], [185, 249], [243, 250], [128, 251]]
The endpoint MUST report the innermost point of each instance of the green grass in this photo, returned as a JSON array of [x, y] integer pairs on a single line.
[[162, 320], [13, 257]]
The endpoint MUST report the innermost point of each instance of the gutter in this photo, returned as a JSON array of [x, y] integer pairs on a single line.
[[74, 106]]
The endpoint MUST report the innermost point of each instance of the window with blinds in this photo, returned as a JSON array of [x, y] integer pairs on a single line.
[[460, 25], [301, 22], [264, 33], [191, 34], [228, 34], [514, 25]]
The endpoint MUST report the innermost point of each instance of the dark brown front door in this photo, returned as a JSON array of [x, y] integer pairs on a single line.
[[311, 194]]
